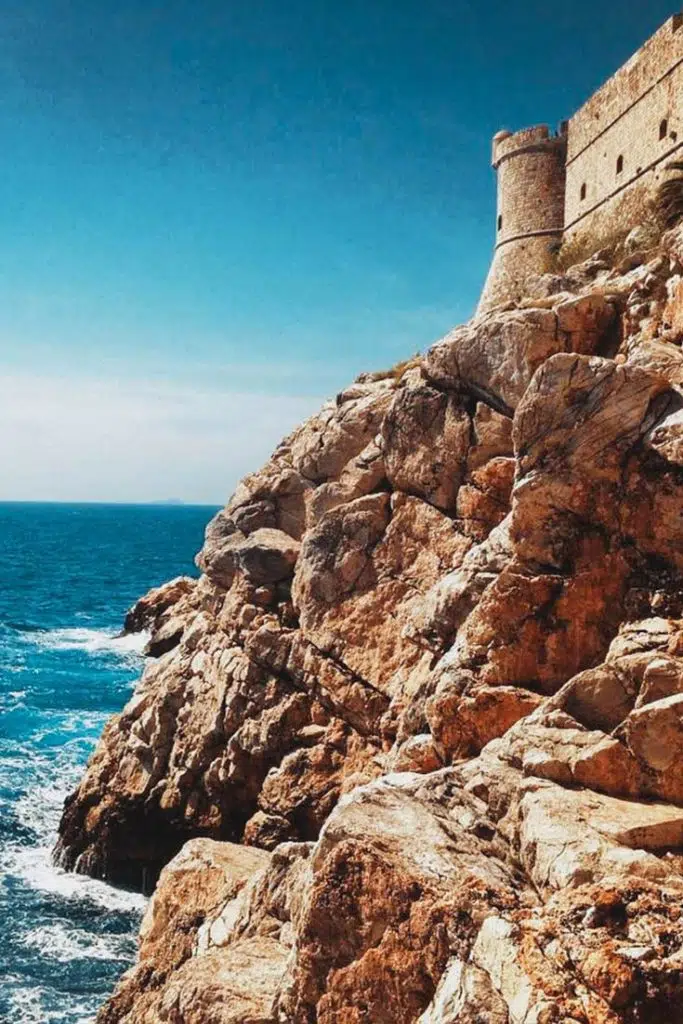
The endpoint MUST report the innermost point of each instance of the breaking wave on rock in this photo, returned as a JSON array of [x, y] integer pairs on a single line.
[[64, 668]]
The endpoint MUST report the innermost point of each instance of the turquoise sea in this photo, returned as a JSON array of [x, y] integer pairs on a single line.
[[69, 572]]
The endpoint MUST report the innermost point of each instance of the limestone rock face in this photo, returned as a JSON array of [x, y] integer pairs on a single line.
[[426, 440], [496, 356], [162, 613], [195, 885], [419, 722]]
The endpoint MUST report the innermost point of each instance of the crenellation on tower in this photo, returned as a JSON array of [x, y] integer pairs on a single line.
[[595, 174], [528, 140]]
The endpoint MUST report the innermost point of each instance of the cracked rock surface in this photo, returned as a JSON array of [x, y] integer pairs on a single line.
[[411, 747]]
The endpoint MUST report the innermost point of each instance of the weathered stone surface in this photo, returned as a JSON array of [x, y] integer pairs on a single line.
[[265, 556], [396, 865], [464, 992], [195, 885], [362, 475], [484, 498], [425, 440], [434, 666], [495, 357], [372, 556], [342, 430], [409, 907], [238, 986], [163, 613]]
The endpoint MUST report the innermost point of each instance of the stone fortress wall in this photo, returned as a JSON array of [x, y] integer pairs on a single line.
[[626, 133], [596, 174]]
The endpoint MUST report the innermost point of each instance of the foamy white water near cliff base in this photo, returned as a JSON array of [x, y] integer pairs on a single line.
[[69, 573]]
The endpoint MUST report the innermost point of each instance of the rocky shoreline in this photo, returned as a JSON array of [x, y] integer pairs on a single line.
[[411, 746]]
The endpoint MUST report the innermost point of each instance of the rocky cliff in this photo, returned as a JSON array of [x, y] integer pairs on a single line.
[[421, 716]]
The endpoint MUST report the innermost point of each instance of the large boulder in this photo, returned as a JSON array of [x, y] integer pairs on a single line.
[[495, 357], [163, 613], [426, 437]]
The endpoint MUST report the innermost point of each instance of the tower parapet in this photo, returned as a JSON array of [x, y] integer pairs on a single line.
[[530, 166], [597, 177]]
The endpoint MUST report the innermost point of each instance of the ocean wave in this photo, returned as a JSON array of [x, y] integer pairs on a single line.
[[29, 877], [13, 700], [59, 942], [92, 641], [28, 1006], [64, 668], [33, 866], [40, 807], [55, 727]]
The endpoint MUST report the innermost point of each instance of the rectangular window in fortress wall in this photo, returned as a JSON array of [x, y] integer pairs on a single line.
[[636, 116], [633, 150], [630, 83]]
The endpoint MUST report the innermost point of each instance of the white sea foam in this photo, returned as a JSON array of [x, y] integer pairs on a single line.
[[59, 942], [93, 641], [44, 767], [27, 1006], [34, 866], [83, 724], [62, 941], [39, 809]]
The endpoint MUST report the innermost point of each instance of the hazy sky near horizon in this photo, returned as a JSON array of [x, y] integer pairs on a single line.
[[216, 214]]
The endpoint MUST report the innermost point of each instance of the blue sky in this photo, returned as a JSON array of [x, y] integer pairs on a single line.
[[216, 214]]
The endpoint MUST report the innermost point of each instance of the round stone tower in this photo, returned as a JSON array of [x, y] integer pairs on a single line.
[[531, 169]]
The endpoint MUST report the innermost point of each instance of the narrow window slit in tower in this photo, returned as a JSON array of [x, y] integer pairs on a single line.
[[620, 164], [500, 221], [663, 129], [583, 190]]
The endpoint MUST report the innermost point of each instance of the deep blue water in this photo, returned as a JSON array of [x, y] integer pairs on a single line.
[[68, 574]]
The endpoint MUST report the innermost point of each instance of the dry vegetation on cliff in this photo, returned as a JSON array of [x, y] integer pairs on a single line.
[[431, 682]]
